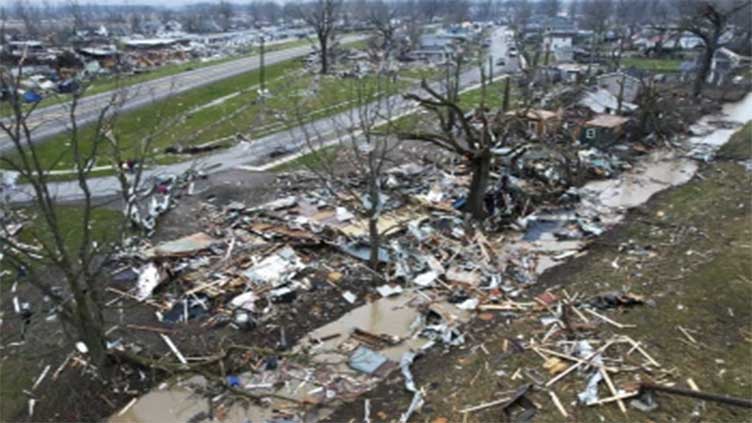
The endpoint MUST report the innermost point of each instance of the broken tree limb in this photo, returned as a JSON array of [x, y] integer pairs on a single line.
[[484, 406], [149, 328], [609, 321], [723, 399]]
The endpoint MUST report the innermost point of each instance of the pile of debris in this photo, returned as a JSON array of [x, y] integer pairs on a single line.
[[435, 273], [580, 340]]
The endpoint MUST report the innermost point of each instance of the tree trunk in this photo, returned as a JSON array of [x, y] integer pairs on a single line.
[[702, 73], [375, 240], [481, 165], [89, 326], [324, 55], [620, 98], [505, 104], [373, 219]]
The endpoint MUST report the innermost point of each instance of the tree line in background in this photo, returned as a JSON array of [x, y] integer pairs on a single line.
[[593, 12]]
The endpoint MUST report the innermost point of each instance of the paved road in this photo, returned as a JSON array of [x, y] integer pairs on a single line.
[[255, 153], [54, 119]]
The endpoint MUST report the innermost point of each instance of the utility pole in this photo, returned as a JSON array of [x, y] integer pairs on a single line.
[[490, 67], [262, 73]]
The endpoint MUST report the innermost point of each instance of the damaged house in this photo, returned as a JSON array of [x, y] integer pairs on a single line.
[[560, 44], [602, 131], [619, 84]]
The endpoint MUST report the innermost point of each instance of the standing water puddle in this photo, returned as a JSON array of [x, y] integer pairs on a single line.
[[324, 383]]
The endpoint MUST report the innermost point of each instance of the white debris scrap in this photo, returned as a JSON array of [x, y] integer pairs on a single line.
[[275, 268], [426, 279], [148, 279]]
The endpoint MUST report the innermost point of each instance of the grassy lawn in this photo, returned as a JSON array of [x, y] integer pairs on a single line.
[[310, 160], [18, 371], [422, 72], [494, 96], [655, 65], [468, 99]]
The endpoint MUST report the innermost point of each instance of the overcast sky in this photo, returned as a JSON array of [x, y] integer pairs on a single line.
[[143, 2]]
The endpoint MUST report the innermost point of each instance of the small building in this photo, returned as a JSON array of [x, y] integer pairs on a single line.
[[572, 72], [432, 42], [540, 122], [613, 82], [602, 130]]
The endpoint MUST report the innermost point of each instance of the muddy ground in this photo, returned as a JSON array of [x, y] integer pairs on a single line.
[[470, 379], [43, 343], [698, 276]]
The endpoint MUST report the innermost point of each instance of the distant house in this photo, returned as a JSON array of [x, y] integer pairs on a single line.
[[432, 41], [557, 39], [603, 130], [564, 55], [434, 48], [148, 43], [613, 83]]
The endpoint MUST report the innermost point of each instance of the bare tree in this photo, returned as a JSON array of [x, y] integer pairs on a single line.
[[709, 22], [80, 266], [322, 16], [574, 8], [79, 21], [382, 17], [363, 140], [470, 134], [224, 13], [3, 21], [457, 11], [549, 7], [596, 15], [521, 11], [29, 15]]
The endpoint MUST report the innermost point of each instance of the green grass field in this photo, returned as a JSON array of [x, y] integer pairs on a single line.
[[654, 65]]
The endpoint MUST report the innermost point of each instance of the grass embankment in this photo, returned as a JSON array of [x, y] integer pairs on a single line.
[[653, 65], [19, 366], [699, 276], [494, 98]]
